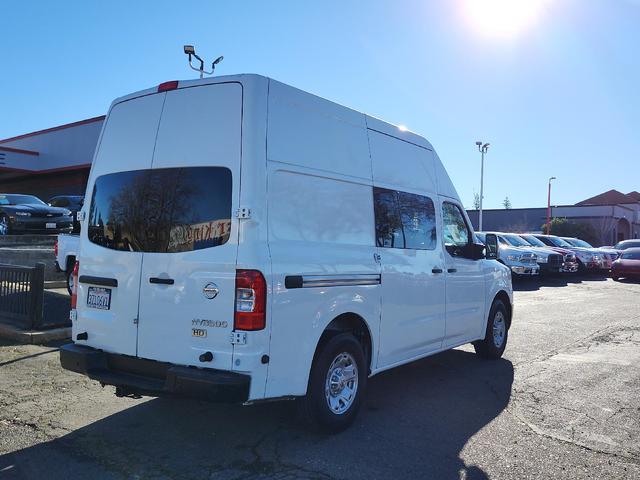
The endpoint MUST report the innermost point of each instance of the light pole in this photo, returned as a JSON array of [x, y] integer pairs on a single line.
[[482, 149], [549, 204]]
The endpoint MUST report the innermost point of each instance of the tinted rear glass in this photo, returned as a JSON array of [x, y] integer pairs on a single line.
[[632, 254], [162, 210]]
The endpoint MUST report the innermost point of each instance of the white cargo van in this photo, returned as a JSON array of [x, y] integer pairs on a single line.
[[244, 241]]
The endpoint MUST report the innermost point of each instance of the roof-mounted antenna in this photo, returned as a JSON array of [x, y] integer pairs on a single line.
[[190, 50]]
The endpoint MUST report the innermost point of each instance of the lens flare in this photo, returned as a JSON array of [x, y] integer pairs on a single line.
[[503, 17]]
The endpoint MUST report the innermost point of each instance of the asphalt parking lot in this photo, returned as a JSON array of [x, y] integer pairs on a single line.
[[564, 402]]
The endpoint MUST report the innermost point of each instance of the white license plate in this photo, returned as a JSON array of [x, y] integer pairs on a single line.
[[51, 225], [99, 298], [198, 332]]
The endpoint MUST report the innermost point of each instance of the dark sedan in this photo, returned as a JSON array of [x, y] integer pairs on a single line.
[[628, 265], [70, 202], [29, 214]]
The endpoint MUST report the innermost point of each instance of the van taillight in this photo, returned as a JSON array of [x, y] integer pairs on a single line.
[[166, 86], [251, 300], [55, 249], [74, 287]]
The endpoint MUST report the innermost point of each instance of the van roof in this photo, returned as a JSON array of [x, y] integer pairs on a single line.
[[373, 123]]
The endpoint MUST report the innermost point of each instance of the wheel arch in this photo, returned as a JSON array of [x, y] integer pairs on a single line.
[[502, 295], [353, 323]]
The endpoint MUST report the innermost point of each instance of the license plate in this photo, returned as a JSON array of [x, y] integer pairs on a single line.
[[99, 298], [198, 332], [51, 225]]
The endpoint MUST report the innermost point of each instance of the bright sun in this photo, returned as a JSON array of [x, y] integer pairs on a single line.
[[503, 17]]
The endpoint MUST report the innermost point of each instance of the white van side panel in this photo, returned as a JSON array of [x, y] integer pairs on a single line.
[[312, 132], [445, 185], [310, 208], [402, 164], [318, 226]]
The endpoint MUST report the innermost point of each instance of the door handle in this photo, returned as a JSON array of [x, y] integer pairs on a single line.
[[161, 281], [452, 270], [436, 270]]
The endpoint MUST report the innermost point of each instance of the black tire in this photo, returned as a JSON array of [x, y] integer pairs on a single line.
[[615, 279], [6, 223], [314, 408], [68, 275], [490, 347], [582, 270]]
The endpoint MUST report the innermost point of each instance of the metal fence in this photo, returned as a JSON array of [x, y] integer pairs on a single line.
[[22, 295]]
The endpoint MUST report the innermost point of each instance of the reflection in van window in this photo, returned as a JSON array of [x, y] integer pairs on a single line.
[[161, 210], [456, 233], [404, 220]]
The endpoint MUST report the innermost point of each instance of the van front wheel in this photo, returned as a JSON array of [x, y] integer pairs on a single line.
[[336, 385], [495, 338]]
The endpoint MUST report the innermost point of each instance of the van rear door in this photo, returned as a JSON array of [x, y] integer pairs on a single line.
[[109, 277], [187, 287]]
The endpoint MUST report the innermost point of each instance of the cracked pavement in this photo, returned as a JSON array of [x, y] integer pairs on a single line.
[[564, 402]]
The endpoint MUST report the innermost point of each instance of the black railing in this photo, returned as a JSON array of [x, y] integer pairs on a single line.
[[22, 295]]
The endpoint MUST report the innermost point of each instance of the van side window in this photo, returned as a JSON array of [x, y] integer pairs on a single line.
[[404, 220], [456, 233]]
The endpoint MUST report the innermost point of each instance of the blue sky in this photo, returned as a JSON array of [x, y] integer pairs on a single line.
[[553, 85]]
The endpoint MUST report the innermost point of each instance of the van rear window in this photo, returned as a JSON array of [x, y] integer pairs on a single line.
[[161, 210]]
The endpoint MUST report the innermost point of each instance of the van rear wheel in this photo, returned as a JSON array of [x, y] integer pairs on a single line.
[[336, 385], [495, 339]]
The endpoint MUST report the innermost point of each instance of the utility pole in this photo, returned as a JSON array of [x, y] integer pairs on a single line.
[[482, 149], [549, 204]]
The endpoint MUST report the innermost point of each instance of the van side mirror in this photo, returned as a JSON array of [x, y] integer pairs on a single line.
[[479, 251], [492, 246]]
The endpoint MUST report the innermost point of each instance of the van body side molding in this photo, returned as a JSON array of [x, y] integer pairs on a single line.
[[311, 281], [102, 281]]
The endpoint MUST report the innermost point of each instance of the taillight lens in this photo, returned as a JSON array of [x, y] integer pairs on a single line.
[[166, 86], [74, 288], [55, 249], [251, 300]]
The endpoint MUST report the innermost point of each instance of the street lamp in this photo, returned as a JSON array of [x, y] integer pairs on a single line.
[[482, 149], [549, 204]]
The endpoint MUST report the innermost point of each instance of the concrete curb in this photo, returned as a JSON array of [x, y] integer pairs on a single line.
[[37, 337], [55, 284]]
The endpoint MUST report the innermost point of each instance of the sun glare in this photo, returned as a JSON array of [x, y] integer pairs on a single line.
[[503, 17]]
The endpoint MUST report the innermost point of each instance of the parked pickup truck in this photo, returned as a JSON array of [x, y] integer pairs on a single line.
[[65, 250]]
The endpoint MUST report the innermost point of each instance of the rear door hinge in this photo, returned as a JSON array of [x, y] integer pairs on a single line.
[[243, 212], [80, 215], [238, 338], [135, 321]]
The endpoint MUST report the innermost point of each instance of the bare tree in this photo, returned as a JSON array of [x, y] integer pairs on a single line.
[[603, 226], [506, 203], [522, 225], [476, 201]]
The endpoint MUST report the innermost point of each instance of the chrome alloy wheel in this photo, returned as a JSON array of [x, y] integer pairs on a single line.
[[499, 329], [341, 385], [4, 225]]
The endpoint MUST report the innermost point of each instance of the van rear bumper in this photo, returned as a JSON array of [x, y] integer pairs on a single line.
[[137, 376]]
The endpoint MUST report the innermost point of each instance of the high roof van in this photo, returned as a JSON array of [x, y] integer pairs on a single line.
[[245, 241]]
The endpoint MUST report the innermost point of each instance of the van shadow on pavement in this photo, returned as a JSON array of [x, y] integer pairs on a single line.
[[535, 283], [414, 422]]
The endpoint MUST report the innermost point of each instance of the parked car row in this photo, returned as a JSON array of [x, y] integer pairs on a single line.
[[536, 254], [28, 214]]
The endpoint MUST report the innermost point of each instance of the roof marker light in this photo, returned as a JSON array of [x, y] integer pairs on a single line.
[[166, 86]]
